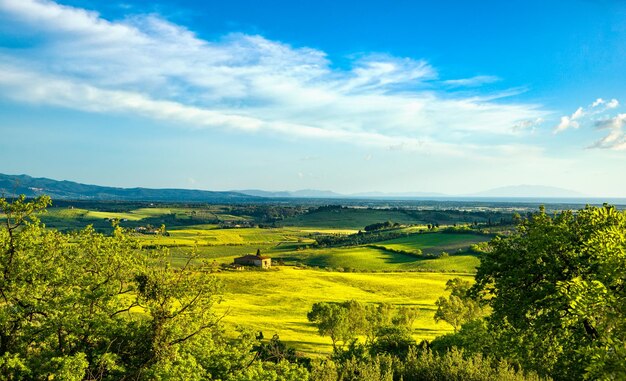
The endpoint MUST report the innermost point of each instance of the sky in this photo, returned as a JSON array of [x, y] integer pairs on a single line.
[[452, 97]]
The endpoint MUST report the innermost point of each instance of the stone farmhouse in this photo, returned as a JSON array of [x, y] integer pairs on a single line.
[[257, 260]]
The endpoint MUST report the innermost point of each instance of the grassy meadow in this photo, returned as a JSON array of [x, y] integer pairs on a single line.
[[276, 301]]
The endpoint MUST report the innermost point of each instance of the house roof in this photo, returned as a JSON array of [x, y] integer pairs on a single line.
[[251, 257]]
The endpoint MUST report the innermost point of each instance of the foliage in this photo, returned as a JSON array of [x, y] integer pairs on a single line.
[[379, 368], [458, 307], [360, 238], [418, 365], [386, 329], [381, 226], [395, 340], [339, 321], [276, 351], [473, 338], [558, 294], [455, 365], [89, 306], [480, 247]]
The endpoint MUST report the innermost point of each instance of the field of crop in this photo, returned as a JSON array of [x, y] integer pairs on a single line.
[[276, 302]]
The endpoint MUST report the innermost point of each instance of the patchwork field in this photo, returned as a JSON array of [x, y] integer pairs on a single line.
[[388, 268]]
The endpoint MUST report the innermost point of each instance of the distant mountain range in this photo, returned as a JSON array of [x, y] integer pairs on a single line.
[[397, 195], [11, 185], [304, 193], [528, 191], [69, 190], [517, 191]]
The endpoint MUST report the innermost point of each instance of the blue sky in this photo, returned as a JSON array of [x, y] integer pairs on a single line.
[[452, 96]]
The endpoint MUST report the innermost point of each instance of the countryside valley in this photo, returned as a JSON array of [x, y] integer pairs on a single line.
[[293, 289], [242, 190]]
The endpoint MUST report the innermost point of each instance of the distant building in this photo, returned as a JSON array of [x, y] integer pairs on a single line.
[[257, 260], [149, 231]]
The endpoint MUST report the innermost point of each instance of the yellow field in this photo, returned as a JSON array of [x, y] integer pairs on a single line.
[[277, 301]]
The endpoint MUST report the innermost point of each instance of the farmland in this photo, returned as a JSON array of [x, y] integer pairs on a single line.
[[167, 274], [403, 267]]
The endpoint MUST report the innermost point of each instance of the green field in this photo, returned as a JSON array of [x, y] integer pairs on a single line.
[[276, 301], [434, 243]]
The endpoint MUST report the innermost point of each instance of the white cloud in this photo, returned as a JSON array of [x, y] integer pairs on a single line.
[[607, 105], [473, 81], [598, 102], [565, 123], [148, 66], [615, 123], [570, 121], [613, 103], [616, 138], [599, 106]]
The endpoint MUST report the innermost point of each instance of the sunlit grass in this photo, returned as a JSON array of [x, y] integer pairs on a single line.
[[276, 302]]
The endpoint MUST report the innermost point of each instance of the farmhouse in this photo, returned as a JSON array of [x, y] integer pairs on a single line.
[[254, 260]]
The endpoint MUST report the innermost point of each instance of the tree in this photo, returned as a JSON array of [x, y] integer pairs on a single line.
[[339, 321], [276, 351], [63, 297], [377, 317], [331, 320], [395, 340], [405, 317], [558, 295], [459, 307]]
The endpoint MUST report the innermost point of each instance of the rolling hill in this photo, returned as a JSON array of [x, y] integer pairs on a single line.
[[11, 185]]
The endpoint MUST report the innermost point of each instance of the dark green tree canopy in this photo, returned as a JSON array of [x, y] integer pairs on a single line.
[[558, 292]]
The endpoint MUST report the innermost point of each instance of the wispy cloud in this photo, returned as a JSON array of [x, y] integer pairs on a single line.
[[149, 66], [478, 80]]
